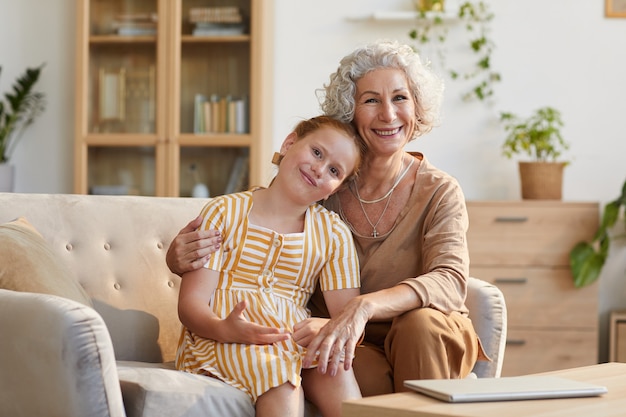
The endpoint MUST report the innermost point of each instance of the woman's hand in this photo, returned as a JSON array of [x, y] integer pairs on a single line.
[[307, 329], [191, 248], [236, 329], [340, 335]]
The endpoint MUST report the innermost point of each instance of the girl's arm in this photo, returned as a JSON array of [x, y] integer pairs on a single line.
[[196, 289], [335, 300]]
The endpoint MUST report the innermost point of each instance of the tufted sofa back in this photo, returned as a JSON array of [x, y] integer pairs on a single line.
[[115, 246]]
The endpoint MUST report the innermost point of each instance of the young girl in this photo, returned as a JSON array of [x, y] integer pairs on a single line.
[[240, 310]]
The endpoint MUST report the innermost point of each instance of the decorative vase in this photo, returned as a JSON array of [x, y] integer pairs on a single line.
[[200, 191], [541, 180], [7, 177]]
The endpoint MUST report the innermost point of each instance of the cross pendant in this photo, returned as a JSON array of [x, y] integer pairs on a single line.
[[374, 233]]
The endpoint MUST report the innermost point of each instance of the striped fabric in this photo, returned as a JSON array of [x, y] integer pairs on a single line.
[[276, 274]]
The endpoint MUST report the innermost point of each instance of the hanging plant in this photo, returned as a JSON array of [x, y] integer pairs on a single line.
[[475, 17]]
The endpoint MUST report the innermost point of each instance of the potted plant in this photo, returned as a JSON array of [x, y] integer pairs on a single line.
[[587, 258], [539, 137], [19, 111]]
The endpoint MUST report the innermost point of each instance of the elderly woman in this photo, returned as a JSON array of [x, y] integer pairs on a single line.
[[409, 223]]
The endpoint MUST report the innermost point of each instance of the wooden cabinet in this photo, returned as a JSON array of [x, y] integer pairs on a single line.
[[523, 248], [145, 68], [617, 331]]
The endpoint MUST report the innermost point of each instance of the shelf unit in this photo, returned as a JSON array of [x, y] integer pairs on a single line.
[[135, 131], [401, 16]]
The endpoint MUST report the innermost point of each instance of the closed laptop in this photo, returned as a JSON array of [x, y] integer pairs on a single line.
[[504, 389]]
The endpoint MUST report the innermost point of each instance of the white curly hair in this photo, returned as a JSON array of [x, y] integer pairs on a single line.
[[337, 97]]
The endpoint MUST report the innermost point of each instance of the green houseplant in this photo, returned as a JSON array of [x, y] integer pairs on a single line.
[[588, 258], [18, 110], [538, 137], [475, 17]]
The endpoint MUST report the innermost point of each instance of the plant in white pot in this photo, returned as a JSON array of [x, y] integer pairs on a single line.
[[539, 138], [18, 110]]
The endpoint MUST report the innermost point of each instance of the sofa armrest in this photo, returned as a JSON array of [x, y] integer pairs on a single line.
[[487, 310], [56, 359]]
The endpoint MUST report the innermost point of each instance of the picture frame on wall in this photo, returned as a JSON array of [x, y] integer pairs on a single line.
[[615, 8]]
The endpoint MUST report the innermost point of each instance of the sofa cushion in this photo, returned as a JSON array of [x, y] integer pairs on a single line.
[[28, 264], [155, 390]]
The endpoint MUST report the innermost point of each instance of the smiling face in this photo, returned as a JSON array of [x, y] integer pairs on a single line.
[[318, 163], [385, 110]]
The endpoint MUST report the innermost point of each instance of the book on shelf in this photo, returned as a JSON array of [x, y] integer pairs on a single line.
[[217, 21], [137, 17], [137, 24], [215, 114], [219, 29], [238, 180], [130, 31], [224, 14], [198, 117]]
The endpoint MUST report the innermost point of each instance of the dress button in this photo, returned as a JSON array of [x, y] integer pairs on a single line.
[[267, 290], [276, 243], [267, 273]]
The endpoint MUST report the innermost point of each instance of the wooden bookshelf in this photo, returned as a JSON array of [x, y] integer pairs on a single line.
[[135, 93]]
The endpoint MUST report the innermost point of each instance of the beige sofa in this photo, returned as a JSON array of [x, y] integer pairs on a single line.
[[88, 318]]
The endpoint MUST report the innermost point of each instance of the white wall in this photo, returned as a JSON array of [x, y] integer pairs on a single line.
[[35, 32], [562, 53]]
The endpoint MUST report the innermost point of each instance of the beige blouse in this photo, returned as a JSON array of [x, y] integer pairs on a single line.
[[427, 248]]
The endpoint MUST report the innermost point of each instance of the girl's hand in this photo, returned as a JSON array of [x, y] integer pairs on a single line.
[[306, 330], [191, 248], [236, 329]]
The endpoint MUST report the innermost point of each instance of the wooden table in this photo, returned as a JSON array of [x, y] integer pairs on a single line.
[[410, 404]]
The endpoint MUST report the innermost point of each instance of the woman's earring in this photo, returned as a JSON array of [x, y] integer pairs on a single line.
[[277, 158]]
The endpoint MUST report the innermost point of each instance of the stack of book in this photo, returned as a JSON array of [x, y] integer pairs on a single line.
[[135, 24], [216, 21], [217, 114]]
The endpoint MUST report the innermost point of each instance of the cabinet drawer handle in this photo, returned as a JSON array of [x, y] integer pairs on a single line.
[[520, 219], [515, 342], [520, 280]]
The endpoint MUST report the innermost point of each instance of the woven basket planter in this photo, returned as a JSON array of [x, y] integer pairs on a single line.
[[541, 180]]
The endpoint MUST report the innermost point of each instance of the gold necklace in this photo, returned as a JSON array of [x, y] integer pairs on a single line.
[[393, 187]]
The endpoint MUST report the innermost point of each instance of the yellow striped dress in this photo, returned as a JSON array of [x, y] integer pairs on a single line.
[[277, 274]]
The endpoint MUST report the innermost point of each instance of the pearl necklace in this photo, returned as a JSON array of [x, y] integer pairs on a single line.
[[393, 187], [361, 201]]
